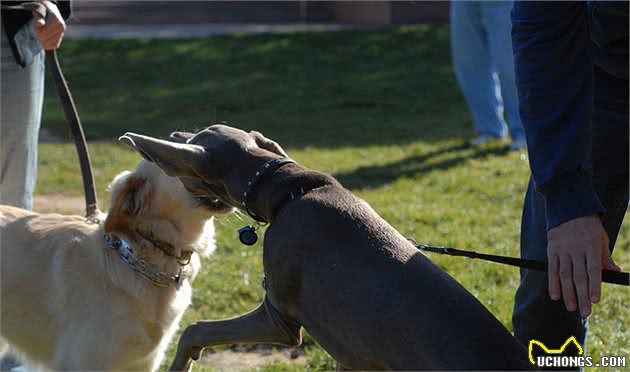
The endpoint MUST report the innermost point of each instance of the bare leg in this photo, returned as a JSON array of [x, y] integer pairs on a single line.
[[262, 325]]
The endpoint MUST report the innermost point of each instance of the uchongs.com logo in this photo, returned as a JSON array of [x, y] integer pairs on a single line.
[[542, 356]]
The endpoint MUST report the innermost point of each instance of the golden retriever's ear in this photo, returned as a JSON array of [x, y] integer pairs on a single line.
[[129, 195], [267, 144]]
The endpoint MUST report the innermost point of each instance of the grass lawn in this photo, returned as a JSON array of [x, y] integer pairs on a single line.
[[380, 110]]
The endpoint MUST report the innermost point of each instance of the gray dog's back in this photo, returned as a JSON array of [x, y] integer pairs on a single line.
[[371, 299]]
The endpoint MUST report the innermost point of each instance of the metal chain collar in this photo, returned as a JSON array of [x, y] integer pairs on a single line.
[[144, 269]]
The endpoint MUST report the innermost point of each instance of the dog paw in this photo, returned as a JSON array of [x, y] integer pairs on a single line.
[[187, 352], [184, 360]]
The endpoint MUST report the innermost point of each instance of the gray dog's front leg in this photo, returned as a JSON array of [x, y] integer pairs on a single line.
[[262, 325]]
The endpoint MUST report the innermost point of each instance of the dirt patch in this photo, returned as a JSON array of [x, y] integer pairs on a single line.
[[59, 204], [247, 357]]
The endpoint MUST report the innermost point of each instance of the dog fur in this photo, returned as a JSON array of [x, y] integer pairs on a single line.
[[332, 265], [69, 302]]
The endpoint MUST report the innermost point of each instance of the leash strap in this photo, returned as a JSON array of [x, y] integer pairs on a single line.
[[72, 116], [608, 276], [70, 112]]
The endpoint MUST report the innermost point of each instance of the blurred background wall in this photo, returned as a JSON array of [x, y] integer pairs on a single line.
[[99, 12]]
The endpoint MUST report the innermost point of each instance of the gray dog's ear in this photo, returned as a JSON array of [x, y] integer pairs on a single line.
[[175, 159], [267, 144]]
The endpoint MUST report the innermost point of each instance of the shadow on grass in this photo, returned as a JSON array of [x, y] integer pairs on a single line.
[[325, 89], [375, 176]]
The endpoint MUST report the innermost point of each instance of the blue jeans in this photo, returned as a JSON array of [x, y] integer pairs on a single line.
[[22, 96], [535, 315], [481, 48]]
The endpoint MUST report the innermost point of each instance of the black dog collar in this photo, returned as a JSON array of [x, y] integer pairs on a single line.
[[268, 167], [247, 234]]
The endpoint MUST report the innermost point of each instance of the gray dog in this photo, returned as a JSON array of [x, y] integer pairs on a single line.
[[332, 265]]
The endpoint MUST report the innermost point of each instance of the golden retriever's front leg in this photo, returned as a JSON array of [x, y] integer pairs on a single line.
[[263, 325]]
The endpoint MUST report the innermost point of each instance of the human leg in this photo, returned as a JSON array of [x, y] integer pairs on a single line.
[[474, 70], [535, 315], [22, 93], [496, 17]]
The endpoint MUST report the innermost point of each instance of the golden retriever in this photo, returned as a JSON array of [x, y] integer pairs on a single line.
[[72, 299]]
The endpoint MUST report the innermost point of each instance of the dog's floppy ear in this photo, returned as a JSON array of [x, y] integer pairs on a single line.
[[129, 195], [175, 159], [267, 144]]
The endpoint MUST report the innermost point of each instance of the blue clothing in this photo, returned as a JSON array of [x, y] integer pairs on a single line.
[[481, 49], [571, 62], [554, 54]]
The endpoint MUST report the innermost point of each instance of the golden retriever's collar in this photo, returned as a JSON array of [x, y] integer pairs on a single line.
[[168, 249], [144, 269]]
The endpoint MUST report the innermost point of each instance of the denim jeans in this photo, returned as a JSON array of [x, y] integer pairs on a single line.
[[535, 315], [22, 95], [481, 48]]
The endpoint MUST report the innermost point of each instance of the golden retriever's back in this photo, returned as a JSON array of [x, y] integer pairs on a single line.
[[69, 301], [64, 292], [32, 256]]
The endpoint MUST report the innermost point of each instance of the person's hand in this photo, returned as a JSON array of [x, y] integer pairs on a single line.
[[50, 30], [577, 251]]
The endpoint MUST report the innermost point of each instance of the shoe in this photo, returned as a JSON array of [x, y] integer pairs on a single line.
[[485, 139], [518, 144]]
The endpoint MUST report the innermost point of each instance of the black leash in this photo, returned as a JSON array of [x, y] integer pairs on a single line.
[[71, 114], [608, 276]]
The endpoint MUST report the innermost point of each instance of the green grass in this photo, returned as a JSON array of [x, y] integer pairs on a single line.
[[379, 110]]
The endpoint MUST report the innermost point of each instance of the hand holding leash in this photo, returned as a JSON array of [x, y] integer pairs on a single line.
[[577, 251], [49, 27], [607, 276]]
